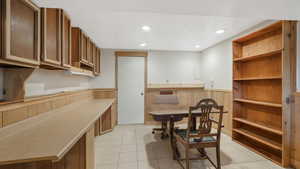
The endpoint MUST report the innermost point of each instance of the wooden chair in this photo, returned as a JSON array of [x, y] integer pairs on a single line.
[[203, 136]]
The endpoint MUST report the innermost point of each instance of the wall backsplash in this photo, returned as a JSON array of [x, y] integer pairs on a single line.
[[43, 82]]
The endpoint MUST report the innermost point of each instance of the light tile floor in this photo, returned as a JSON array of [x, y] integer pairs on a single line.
[[135, 147]]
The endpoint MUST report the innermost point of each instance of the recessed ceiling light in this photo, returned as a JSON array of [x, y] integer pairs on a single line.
[[146, 28], [143, 44], [197, 46], [220, 31]]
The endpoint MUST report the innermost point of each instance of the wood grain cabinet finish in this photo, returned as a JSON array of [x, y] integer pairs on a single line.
[[79, 47], [20, 31], [51, 37], [84, 45], [97, 61], [93, 53], [89, 51], [262, 82], [66, 40], [106, 124]]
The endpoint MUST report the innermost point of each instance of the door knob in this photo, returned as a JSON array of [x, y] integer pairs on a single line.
[[142, 93]]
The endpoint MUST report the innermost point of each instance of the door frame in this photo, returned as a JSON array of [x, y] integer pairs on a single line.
[[132, 54]]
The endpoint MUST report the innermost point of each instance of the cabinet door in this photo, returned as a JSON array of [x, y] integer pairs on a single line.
[[66, 40], [51, 36], [98, 61], [89, 51], [22, 31], [84, 46], [93, 55]]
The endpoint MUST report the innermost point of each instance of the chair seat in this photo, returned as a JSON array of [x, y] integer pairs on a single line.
[[182, 133]]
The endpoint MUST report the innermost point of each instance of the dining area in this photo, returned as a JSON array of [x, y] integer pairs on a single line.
[[204, 124], [135, 147]]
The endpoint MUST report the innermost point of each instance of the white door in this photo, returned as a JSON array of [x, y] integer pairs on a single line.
[[131, 83]]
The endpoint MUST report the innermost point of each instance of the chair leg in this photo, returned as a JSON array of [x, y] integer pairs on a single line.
[[187, 158], [218, 157]]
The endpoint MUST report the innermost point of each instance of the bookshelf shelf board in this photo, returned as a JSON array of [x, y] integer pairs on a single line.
[[260, 125], [259, 78], [258, 102], [260, 151], [259, 138], [247, 58]]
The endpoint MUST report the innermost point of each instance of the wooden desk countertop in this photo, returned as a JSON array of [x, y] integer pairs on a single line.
[[49, 136]]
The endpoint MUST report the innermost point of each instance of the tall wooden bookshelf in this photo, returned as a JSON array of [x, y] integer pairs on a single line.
[[262, 84]]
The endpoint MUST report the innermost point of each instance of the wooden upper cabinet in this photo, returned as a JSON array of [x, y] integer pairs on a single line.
[[94, 53], [89, 51], [79, 47], [84, 46], [20, 31], [97, 62], [51, 37], [66, 40], [82, 50]]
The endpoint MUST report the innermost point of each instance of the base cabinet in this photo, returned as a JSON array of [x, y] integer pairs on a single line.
[[105, 123], [74, 159], [81, 156]]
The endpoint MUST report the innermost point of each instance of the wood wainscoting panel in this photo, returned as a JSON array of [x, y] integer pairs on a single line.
[[105, 93], [15, 115], [33, 106], [295, 135], [36, 109], [224, 98]]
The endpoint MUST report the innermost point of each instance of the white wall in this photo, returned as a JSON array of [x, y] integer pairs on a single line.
[[173, 67], [43, 82], [216, 62], [163, 66]]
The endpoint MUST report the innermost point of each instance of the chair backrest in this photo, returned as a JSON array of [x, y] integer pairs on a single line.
[[207, 107]]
